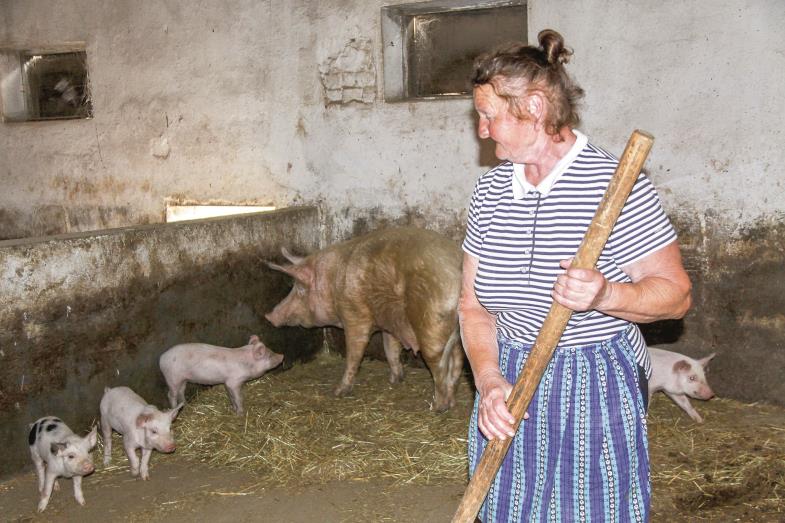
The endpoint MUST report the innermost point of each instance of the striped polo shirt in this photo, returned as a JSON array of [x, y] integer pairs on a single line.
[[520, 233]]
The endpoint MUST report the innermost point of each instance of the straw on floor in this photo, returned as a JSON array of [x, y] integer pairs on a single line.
[[295, 432]]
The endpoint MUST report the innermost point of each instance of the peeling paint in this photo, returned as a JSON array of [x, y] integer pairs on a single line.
[[350, 75]]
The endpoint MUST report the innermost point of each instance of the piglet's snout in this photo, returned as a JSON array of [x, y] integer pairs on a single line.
[[168, 447], [88, 468]]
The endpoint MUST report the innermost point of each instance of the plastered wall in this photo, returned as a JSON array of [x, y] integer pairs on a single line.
[[280, 102]]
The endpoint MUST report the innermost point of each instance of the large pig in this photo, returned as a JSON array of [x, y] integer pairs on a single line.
[[404, 282], [142, 426], [680, 378], [210, 365], [57, 451]]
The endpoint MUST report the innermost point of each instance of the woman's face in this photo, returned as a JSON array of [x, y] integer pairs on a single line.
[[513, 137]]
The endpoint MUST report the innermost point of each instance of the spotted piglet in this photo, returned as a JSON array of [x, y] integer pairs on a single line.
[[680, 378], [57, 451], [142, 426]]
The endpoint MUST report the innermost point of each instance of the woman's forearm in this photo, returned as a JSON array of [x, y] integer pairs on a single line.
[[648, 300]]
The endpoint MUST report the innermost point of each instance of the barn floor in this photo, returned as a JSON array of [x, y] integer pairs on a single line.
[[188, 492], [380, 455]]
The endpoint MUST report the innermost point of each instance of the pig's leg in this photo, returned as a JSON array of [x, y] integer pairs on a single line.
[[145, 469], [46, 493], [39, 470], [683, 401], [78, 490], [441, 396], [106, 432], [176, 392], [456, 365], [172, 394], [180, 394], [438, 355], [133, 459], [357, 336], [235, 396], [392, 350]]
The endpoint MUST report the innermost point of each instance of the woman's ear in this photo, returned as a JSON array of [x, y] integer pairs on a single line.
[[535, 106]]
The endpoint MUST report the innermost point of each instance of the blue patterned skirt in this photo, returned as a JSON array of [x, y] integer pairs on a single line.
[[583, 453]]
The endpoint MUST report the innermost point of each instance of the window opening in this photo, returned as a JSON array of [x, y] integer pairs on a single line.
[[44, 85], [429, 47]]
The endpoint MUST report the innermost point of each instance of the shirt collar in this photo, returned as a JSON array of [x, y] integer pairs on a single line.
[[519, 184]]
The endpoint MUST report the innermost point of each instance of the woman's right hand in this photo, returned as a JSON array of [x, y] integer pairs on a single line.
[[494, 419]]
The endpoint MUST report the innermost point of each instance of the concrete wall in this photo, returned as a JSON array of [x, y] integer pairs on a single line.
[[241, 101], [85, 311]]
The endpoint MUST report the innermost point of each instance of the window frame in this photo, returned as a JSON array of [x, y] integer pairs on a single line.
[[396, 26]]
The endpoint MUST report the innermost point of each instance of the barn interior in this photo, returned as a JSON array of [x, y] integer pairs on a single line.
[[336, 118]]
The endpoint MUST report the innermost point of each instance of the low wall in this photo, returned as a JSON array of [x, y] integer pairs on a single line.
[[85, 311]]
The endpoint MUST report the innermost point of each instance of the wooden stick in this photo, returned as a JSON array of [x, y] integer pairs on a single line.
[[610, 207]]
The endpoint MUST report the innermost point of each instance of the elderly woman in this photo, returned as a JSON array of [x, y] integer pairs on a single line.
[[581, 453]]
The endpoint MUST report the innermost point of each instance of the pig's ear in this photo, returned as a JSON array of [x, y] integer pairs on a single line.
[[301, 273], [295, 260], [175, 411], [57, 448], [253, 340], [142, 419], [92, 438], [259, 350], [291, 270], [705, 361], [681, 366]]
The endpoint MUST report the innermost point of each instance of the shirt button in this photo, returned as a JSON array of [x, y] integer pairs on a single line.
[[531, 212], [524, 270]]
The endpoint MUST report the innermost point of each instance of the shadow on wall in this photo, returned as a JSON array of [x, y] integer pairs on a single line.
[[662, 332]]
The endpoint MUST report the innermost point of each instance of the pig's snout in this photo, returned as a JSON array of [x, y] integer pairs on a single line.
[[88, 468], [168, 447], [273, 318], [701, 392]]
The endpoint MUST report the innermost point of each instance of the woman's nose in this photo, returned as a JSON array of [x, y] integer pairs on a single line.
[[482, 129]]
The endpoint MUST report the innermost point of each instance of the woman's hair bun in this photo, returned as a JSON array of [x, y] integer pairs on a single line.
[[552, 44]]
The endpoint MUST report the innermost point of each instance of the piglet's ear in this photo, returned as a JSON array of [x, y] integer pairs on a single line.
[[142, 419], [57, 448], [681, 366], [254, 339], [259, 350], [92, 438], [705, 361]]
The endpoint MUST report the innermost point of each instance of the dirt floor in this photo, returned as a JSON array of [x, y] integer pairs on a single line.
[[731, 468], [188, 492]]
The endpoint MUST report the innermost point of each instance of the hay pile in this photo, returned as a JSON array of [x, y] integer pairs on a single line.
[[296, 433], [731, 465]]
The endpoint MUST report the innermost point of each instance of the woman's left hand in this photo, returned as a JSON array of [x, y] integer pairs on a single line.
[[579, 289]]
